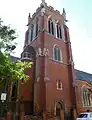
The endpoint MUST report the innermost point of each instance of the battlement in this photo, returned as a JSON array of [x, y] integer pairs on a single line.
[[46, 7], [53, 10]]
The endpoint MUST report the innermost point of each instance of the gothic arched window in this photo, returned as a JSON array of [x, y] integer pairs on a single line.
[[32, 31], [50, 27], [57, 53], [58, 31], [36, 28], [14, 93], [87, 97]]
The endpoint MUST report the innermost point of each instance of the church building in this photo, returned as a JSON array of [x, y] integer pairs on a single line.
[[55, 87]]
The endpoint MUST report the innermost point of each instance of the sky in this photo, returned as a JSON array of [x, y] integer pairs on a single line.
[[79, 15]]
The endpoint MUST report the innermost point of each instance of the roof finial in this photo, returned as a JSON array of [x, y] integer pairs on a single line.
[[29, 15], [29, 18], [64, 15], [64, 11], [43, 4]]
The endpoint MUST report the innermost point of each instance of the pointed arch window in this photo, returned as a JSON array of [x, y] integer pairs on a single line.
[[14, 93], [57, 54], [50, 27], [32, 31], [36, 28], [58, 31], [87, 97], [49, 30]]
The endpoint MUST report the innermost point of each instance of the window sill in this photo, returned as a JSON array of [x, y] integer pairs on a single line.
[[57, 61], [87, 106], [59, 89], [58, 38]]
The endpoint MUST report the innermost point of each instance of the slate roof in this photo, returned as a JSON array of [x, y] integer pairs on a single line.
[[80, 75], [12, 58]]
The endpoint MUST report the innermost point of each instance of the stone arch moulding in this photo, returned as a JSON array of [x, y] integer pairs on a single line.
[[62, 105], [61, 54], [84, 87], [14, 92], [49, 18]]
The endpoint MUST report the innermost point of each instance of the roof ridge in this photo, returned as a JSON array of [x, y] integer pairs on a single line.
[[83, 72]]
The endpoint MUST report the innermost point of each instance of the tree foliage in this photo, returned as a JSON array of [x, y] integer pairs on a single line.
[[8, 69], [7, 37]]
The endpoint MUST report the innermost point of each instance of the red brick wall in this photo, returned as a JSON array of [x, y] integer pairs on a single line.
[[46, 93], [25, 88]]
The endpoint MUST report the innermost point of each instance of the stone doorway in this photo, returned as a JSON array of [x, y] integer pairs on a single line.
[[59, 111]]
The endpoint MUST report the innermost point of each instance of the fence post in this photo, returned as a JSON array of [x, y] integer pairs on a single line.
[[21, 115], [44, 116], [8, 116], [75, 114]]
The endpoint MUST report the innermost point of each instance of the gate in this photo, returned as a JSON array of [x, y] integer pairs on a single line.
[[15, 108]]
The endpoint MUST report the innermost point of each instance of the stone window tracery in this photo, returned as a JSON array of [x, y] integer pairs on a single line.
[[51, 27], [58, 30], [57, 54], [87, 97]]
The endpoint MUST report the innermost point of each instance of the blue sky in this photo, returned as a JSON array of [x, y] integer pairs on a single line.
[[79, 14]]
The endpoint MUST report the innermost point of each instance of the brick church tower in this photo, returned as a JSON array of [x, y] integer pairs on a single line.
[[47, 45]]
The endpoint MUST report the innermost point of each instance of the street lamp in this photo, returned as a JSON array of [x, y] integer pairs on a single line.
[[4, 95], [3, 98]]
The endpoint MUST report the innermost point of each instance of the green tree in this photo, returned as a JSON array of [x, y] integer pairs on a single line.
[[10, 70], [7, 38]]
